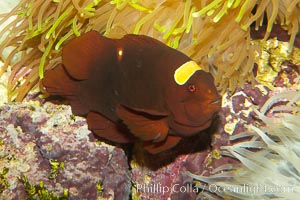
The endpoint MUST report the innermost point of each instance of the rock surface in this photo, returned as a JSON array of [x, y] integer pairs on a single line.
[[35, 138]]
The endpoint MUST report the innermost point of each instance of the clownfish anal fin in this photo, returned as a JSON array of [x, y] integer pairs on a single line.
[[157, 147], [143, 126], [107, 129]]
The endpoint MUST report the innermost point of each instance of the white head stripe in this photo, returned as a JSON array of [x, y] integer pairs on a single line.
[[184, 72]]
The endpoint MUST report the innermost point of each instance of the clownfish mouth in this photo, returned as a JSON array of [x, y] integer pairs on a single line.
[[216, 101]]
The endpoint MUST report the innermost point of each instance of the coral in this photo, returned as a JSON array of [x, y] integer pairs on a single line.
[[214, 33]]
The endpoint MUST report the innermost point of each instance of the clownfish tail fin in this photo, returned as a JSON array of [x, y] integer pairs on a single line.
[[58, 82]]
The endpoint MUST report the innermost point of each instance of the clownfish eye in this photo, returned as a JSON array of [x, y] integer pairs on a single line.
[[192, 88]]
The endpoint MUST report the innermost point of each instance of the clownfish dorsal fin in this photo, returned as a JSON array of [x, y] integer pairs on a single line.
[[84, 52], [143, 40], [143, 127]]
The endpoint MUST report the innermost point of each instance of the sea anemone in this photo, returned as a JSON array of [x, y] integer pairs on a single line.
[[269, 158], [215, 33]]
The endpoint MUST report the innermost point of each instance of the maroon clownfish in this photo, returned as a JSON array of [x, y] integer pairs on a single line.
[[159, 93]]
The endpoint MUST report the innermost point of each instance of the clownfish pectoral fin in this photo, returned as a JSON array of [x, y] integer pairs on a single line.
[[107, 129], [58, 82], [85, 52], [143, 127], [157, 147]]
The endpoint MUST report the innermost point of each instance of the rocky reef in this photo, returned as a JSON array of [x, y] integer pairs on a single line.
[[46, 152]]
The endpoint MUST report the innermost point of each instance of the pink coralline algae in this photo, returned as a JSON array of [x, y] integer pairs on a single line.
[[32, 137]]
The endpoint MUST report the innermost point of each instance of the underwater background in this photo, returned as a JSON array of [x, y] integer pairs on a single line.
[[48, 153]]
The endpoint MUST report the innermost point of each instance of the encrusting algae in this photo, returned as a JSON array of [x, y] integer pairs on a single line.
[[214, 33]]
